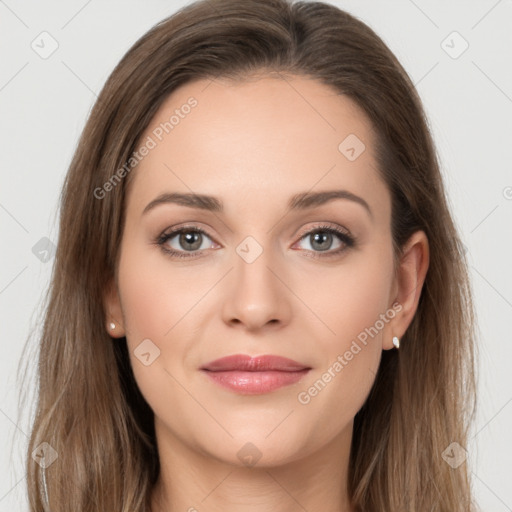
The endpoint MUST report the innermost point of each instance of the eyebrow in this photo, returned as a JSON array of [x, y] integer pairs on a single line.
[[301, 201]]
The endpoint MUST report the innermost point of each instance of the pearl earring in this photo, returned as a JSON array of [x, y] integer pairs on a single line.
[[112, 326], [396, 342]]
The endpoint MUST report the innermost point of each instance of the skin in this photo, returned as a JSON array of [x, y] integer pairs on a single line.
[[254, 144]]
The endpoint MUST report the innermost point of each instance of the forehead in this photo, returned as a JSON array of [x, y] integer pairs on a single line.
[[265, 138]]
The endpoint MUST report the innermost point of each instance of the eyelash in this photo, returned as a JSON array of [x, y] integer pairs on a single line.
[[349, 241]]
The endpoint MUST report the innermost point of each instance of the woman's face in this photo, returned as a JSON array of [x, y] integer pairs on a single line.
[[252, 275]]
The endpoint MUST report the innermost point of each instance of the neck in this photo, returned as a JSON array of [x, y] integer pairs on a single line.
[[191, 481]]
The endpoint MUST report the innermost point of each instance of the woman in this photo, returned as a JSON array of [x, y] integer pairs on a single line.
[[259, 300]]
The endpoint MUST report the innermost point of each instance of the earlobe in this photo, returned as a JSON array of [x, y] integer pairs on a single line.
[[410, 278], [113, 311]]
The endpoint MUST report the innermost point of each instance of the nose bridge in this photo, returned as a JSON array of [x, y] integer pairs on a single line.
[[256, 296], [253, 261]]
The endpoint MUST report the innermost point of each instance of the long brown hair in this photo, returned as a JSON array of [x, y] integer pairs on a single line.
[[89, 408]]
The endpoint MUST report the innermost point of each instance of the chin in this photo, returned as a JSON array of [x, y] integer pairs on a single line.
[[257, 450]]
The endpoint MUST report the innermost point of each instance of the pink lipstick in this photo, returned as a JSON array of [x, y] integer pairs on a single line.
[[254, 375]]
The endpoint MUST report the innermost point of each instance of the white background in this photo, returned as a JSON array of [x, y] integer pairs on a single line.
[[44, 104]]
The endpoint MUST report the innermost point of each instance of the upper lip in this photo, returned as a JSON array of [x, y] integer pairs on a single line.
[[242, 362]]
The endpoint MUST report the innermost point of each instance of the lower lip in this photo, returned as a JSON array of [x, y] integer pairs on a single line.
[[255, 383]]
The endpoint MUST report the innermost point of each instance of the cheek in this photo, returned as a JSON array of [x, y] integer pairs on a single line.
[[354, 301], [350, 298], [154, 305], [155, 297]]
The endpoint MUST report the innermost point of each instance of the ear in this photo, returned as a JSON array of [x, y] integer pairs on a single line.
[[113, 310], [409, 279]]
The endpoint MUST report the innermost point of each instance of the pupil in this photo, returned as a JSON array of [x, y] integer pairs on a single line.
[[192, 238], [322, 236]]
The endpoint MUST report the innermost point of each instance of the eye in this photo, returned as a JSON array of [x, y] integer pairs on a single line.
[[322, 238], [188, 239]]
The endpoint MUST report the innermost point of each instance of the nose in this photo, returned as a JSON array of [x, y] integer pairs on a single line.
[[256, 295]]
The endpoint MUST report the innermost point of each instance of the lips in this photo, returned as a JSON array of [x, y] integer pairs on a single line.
[[248, 375]]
